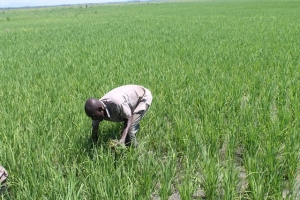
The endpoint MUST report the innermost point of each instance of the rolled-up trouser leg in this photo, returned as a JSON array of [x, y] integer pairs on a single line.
[[131, 139], [135, 126]]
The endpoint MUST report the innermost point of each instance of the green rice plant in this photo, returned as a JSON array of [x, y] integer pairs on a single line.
[[168, 172], [189, 181], [224, 119]]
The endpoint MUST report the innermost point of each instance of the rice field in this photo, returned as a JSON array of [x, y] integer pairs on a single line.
[[224, 122]]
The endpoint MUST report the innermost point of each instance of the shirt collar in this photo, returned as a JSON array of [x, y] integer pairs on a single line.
[[105, 108]]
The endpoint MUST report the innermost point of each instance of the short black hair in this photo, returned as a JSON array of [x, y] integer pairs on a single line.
[[91, 105]]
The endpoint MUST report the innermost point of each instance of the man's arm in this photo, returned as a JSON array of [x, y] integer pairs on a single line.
[[127, 124], [95, 127]]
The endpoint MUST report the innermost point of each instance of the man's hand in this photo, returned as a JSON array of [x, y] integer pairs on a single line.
[[95, 132], [116, 144], [122, 141]]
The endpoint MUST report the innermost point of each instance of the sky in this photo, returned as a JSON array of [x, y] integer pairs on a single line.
[[23, 3]]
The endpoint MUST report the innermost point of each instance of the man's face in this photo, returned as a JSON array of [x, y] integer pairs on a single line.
[[98, 114]]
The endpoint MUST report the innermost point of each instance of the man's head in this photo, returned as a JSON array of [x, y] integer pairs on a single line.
[[94, 109]]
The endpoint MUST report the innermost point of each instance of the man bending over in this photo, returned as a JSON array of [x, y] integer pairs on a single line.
[[127, 104]]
